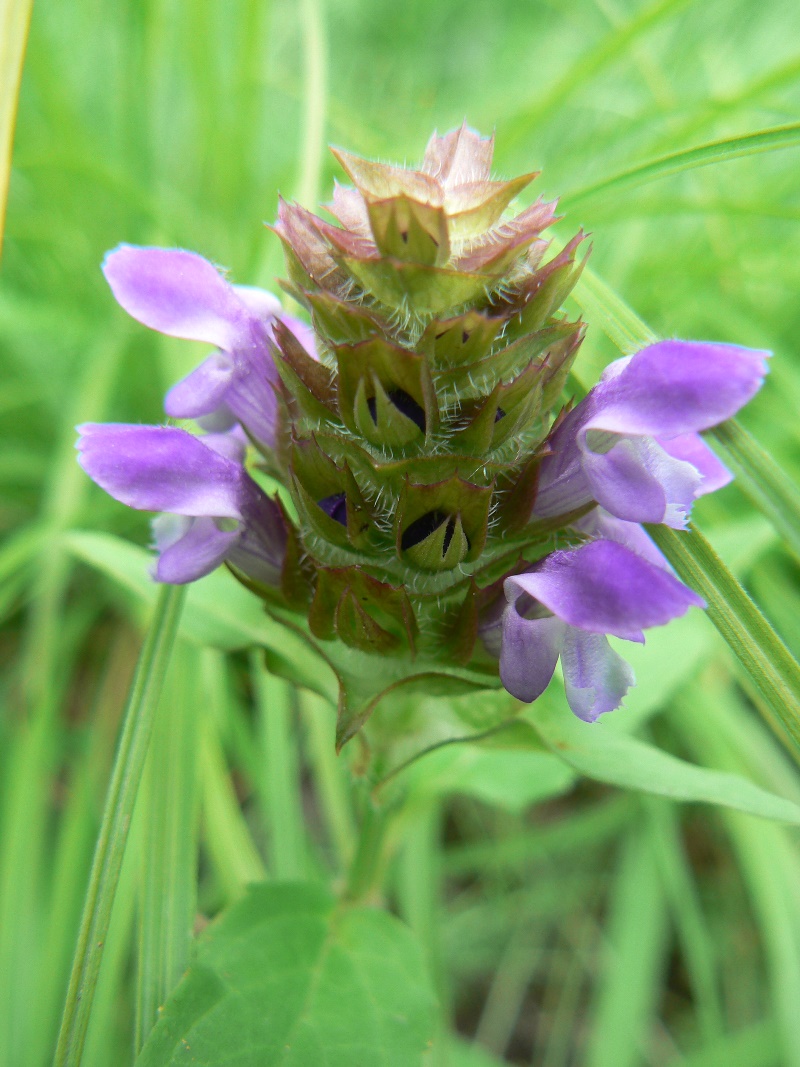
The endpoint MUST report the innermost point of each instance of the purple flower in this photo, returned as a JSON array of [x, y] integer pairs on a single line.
[[566, 605], [215, 510], [633, 445], [183, 295]]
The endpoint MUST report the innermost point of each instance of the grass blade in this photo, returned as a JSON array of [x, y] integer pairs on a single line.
[[125, 778], [722, 151], [15, 17], [168, 870], [314, 108], [771, 667]]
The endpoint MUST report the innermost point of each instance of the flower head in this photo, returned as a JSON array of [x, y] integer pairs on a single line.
[[422, 427]]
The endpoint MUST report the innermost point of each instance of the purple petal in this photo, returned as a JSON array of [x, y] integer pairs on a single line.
[[232, 444], [199, 551], [203, 390], [605, 588], [260, 550], [676, 387], [177, 293], [529, 653], [691, 448], [259, 302], [637, 480], [162, 468], [600, 525], [596, 678], [168, 530], [563, 485], [221, 420], [251, 398]]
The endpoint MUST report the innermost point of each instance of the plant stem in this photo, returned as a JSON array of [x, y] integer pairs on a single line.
[[771, 667], [367, 862], [125, 778]]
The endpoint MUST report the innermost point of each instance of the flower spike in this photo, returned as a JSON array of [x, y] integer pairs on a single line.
[[445, 509]]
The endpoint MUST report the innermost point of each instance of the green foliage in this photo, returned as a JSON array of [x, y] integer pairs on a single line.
[[564, 915], [286, 977]]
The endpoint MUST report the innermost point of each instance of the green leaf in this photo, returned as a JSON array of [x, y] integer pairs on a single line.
[[512, 779], [285, 977], [771, 667], [600, 752]]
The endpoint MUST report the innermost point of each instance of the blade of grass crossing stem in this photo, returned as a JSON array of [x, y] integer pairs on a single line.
[[771, 667], [606, 309], [626, 994], [168, 875], [279, 785], [775, 494], [703, 155], [125, 778]]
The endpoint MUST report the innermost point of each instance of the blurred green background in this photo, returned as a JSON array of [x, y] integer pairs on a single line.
[[595, 928]]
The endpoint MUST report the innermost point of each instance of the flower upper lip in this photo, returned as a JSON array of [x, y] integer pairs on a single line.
[[632, 444]]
